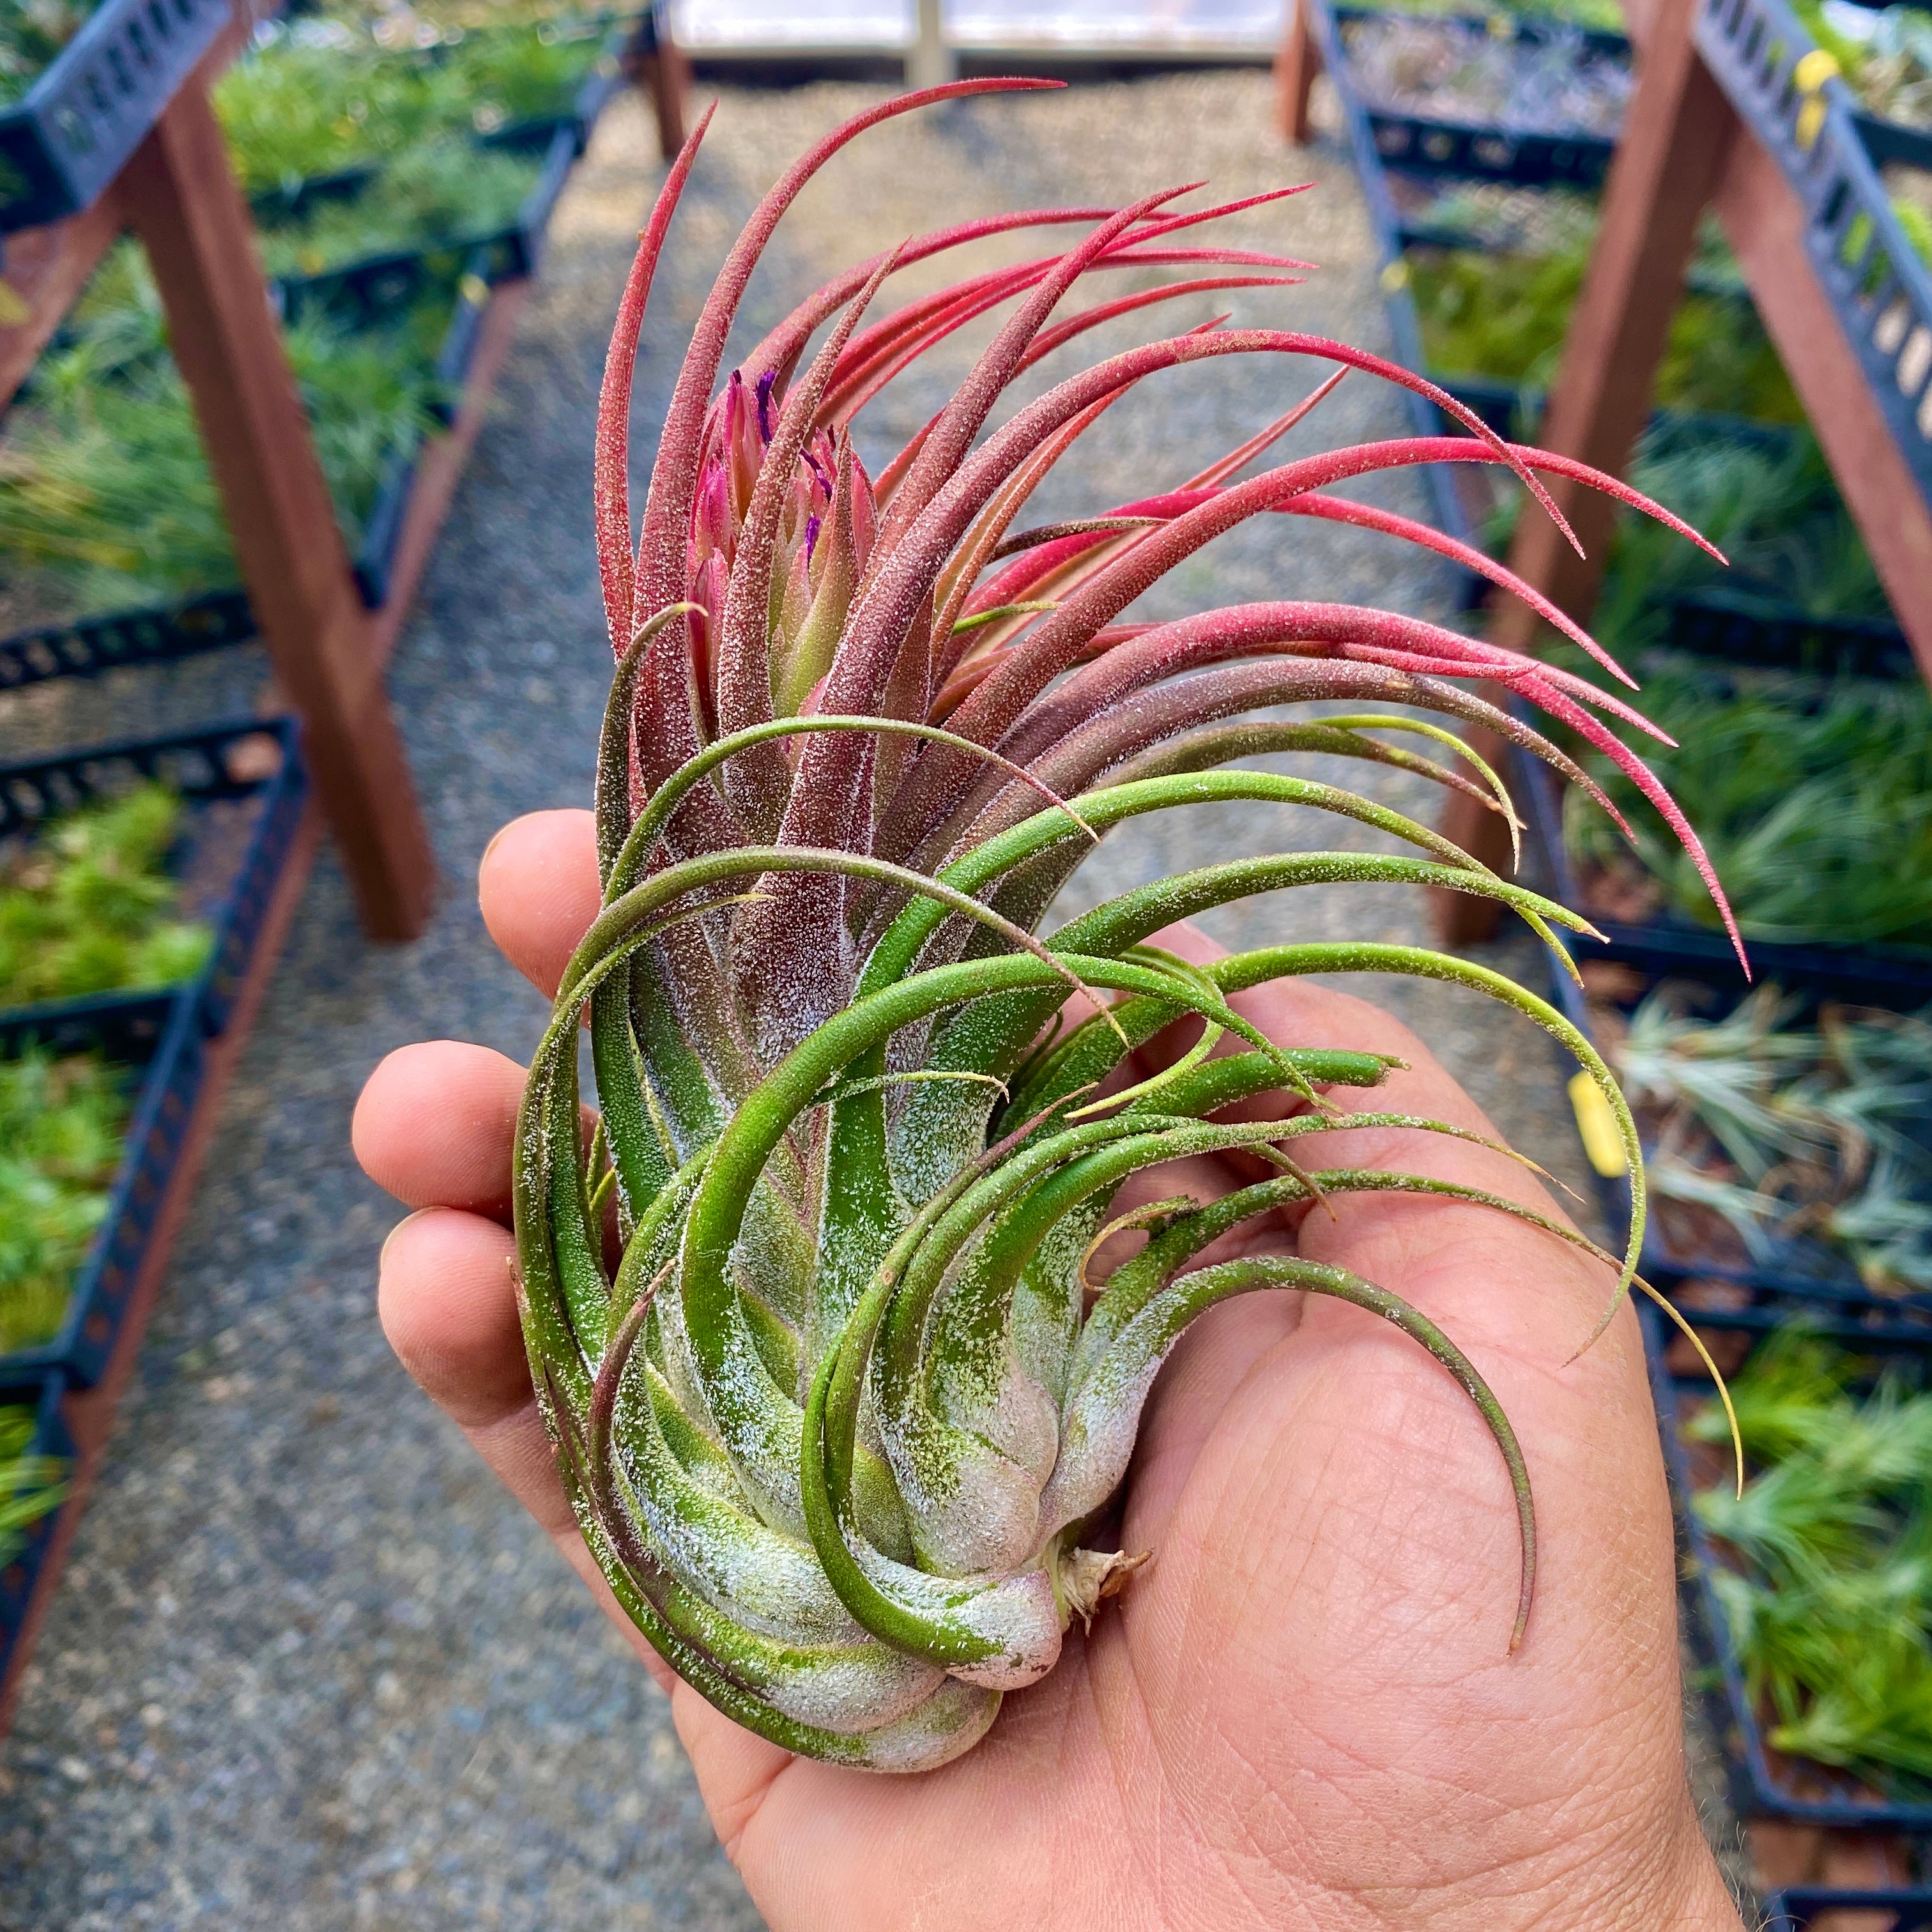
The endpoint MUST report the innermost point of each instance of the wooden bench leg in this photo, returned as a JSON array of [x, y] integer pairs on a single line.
[[668, 76], [180, 195], [1295, 67], [1668, 161]]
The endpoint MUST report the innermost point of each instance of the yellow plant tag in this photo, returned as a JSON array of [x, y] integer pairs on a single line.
[[1602, 1145], [1813, 71], [1809, 77]]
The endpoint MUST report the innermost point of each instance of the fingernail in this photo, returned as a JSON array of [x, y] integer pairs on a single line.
[[389, 1239], [495, 842]]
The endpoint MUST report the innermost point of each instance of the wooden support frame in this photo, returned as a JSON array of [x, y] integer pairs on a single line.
[[1676, 135], [1685, 149], [655, 64], [179, 194], [181, 197], [1295, 67]]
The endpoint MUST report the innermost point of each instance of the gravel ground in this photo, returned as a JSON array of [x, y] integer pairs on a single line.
[[310, 1670]]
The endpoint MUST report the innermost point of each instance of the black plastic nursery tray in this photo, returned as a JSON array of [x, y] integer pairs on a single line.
[[21, 1573], [63, 141], [1808, 121], [245, 787], [1801, 1907], [1706, 624], [382, 530], [1764, 1783], [90, 645], [597, 89], [158, 1037], [1474, 147]]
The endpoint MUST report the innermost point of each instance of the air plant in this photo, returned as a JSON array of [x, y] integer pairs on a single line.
[[61, 1123], [88, 906], [1792, 1133], [837, 1422], [1830, 1607], [30, 1485], [1462, 70]]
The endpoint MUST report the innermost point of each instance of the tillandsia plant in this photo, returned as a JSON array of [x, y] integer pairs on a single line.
[[1789, 1133], [836, 1405]]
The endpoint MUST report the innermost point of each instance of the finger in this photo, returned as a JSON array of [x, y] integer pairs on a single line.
[[447, 1302], [539, 891], [449, 1310], [435, 1123]]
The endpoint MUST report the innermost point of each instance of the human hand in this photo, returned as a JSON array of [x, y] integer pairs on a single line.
[[1302, 1712]]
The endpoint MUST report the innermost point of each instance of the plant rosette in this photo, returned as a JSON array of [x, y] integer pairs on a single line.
[[836, 1390]]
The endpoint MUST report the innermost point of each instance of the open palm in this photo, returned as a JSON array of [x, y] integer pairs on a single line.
[[1302, 1711]]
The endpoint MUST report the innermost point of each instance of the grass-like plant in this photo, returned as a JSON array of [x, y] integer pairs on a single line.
[[1815, 801], [106, 496], [1831, 1609], [1813, 1135], [88, 906], [62, 1122], [322, 96], [1503, 317], [30, 1485], [445, 193], [32, 35], [427, 22], [837, 1399], [1769, 504]]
